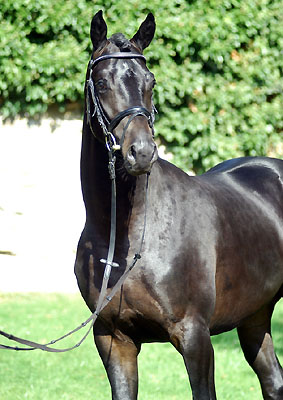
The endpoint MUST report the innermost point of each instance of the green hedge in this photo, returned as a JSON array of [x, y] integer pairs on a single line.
[[217, 66]]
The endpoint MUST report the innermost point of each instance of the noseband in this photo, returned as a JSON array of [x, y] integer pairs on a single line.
[[106, 124]]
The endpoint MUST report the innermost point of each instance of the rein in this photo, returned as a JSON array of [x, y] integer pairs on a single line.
[[111, 145], [103, 301]]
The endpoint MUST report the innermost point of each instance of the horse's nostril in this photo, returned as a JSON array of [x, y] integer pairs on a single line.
[[133, 151], [141, 155]]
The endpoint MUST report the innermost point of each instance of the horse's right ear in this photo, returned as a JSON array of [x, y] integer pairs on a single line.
[[98, 31]]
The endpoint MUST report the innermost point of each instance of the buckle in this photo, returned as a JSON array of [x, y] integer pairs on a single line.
[[111, 143], [113, 264]]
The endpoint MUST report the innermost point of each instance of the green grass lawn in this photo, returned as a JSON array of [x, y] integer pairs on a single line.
[[79, 374]]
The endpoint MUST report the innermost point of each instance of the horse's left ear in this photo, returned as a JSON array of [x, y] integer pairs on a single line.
[[145, 34]]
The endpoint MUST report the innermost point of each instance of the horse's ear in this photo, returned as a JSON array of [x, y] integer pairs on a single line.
[[98, 30], [145, 34]]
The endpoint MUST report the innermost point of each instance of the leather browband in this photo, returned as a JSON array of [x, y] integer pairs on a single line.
[[116, 55]]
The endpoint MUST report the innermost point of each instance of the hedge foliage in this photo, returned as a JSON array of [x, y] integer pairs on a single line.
[[217, 65]]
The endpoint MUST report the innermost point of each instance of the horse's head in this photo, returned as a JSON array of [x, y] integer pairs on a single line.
[[119, 89]]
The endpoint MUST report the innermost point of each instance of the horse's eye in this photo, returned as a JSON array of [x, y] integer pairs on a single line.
[[101, 85]]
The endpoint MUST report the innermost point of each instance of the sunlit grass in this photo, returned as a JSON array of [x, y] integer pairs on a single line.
[[79, 374]]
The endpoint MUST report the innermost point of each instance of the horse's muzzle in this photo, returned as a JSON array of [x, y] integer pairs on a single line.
[[140, 157]]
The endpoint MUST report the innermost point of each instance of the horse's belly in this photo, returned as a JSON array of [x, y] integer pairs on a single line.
[[242, 291]]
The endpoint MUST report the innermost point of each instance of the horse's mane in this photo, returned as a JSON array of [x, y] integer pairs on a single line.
[[120, 41]]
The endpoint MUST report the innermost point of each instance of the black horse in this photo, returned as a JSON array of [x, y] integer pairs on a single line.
[[212, 256]]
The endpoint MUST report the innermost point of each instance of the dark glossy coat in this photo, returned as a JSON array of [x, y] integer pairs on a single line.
[[213, 253]]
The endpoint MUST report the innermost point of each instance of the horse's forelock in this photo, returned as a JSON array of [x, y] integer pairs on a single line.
[[121, 42]]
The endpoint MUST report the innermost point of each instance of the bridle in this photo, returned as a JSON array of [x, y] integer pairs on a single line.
[[112, 146], [105, 123]]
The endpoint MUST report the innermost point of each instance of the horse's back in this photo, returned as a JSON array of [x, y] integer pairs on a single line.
[[253, 177], [243, 162], [247, 169]]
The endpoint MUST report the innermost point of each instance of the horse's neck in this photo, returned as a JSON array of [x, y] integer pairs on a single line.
[[97, 186]]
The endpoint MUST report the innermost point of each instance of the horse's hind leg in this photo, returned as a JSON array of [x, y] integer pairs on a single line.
[[256, 341], [120, 361]]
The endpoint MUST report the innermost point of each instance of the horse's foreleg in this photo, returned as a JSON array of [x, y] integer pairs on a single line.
[[120, 361], [257, 345], [197, 351]]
